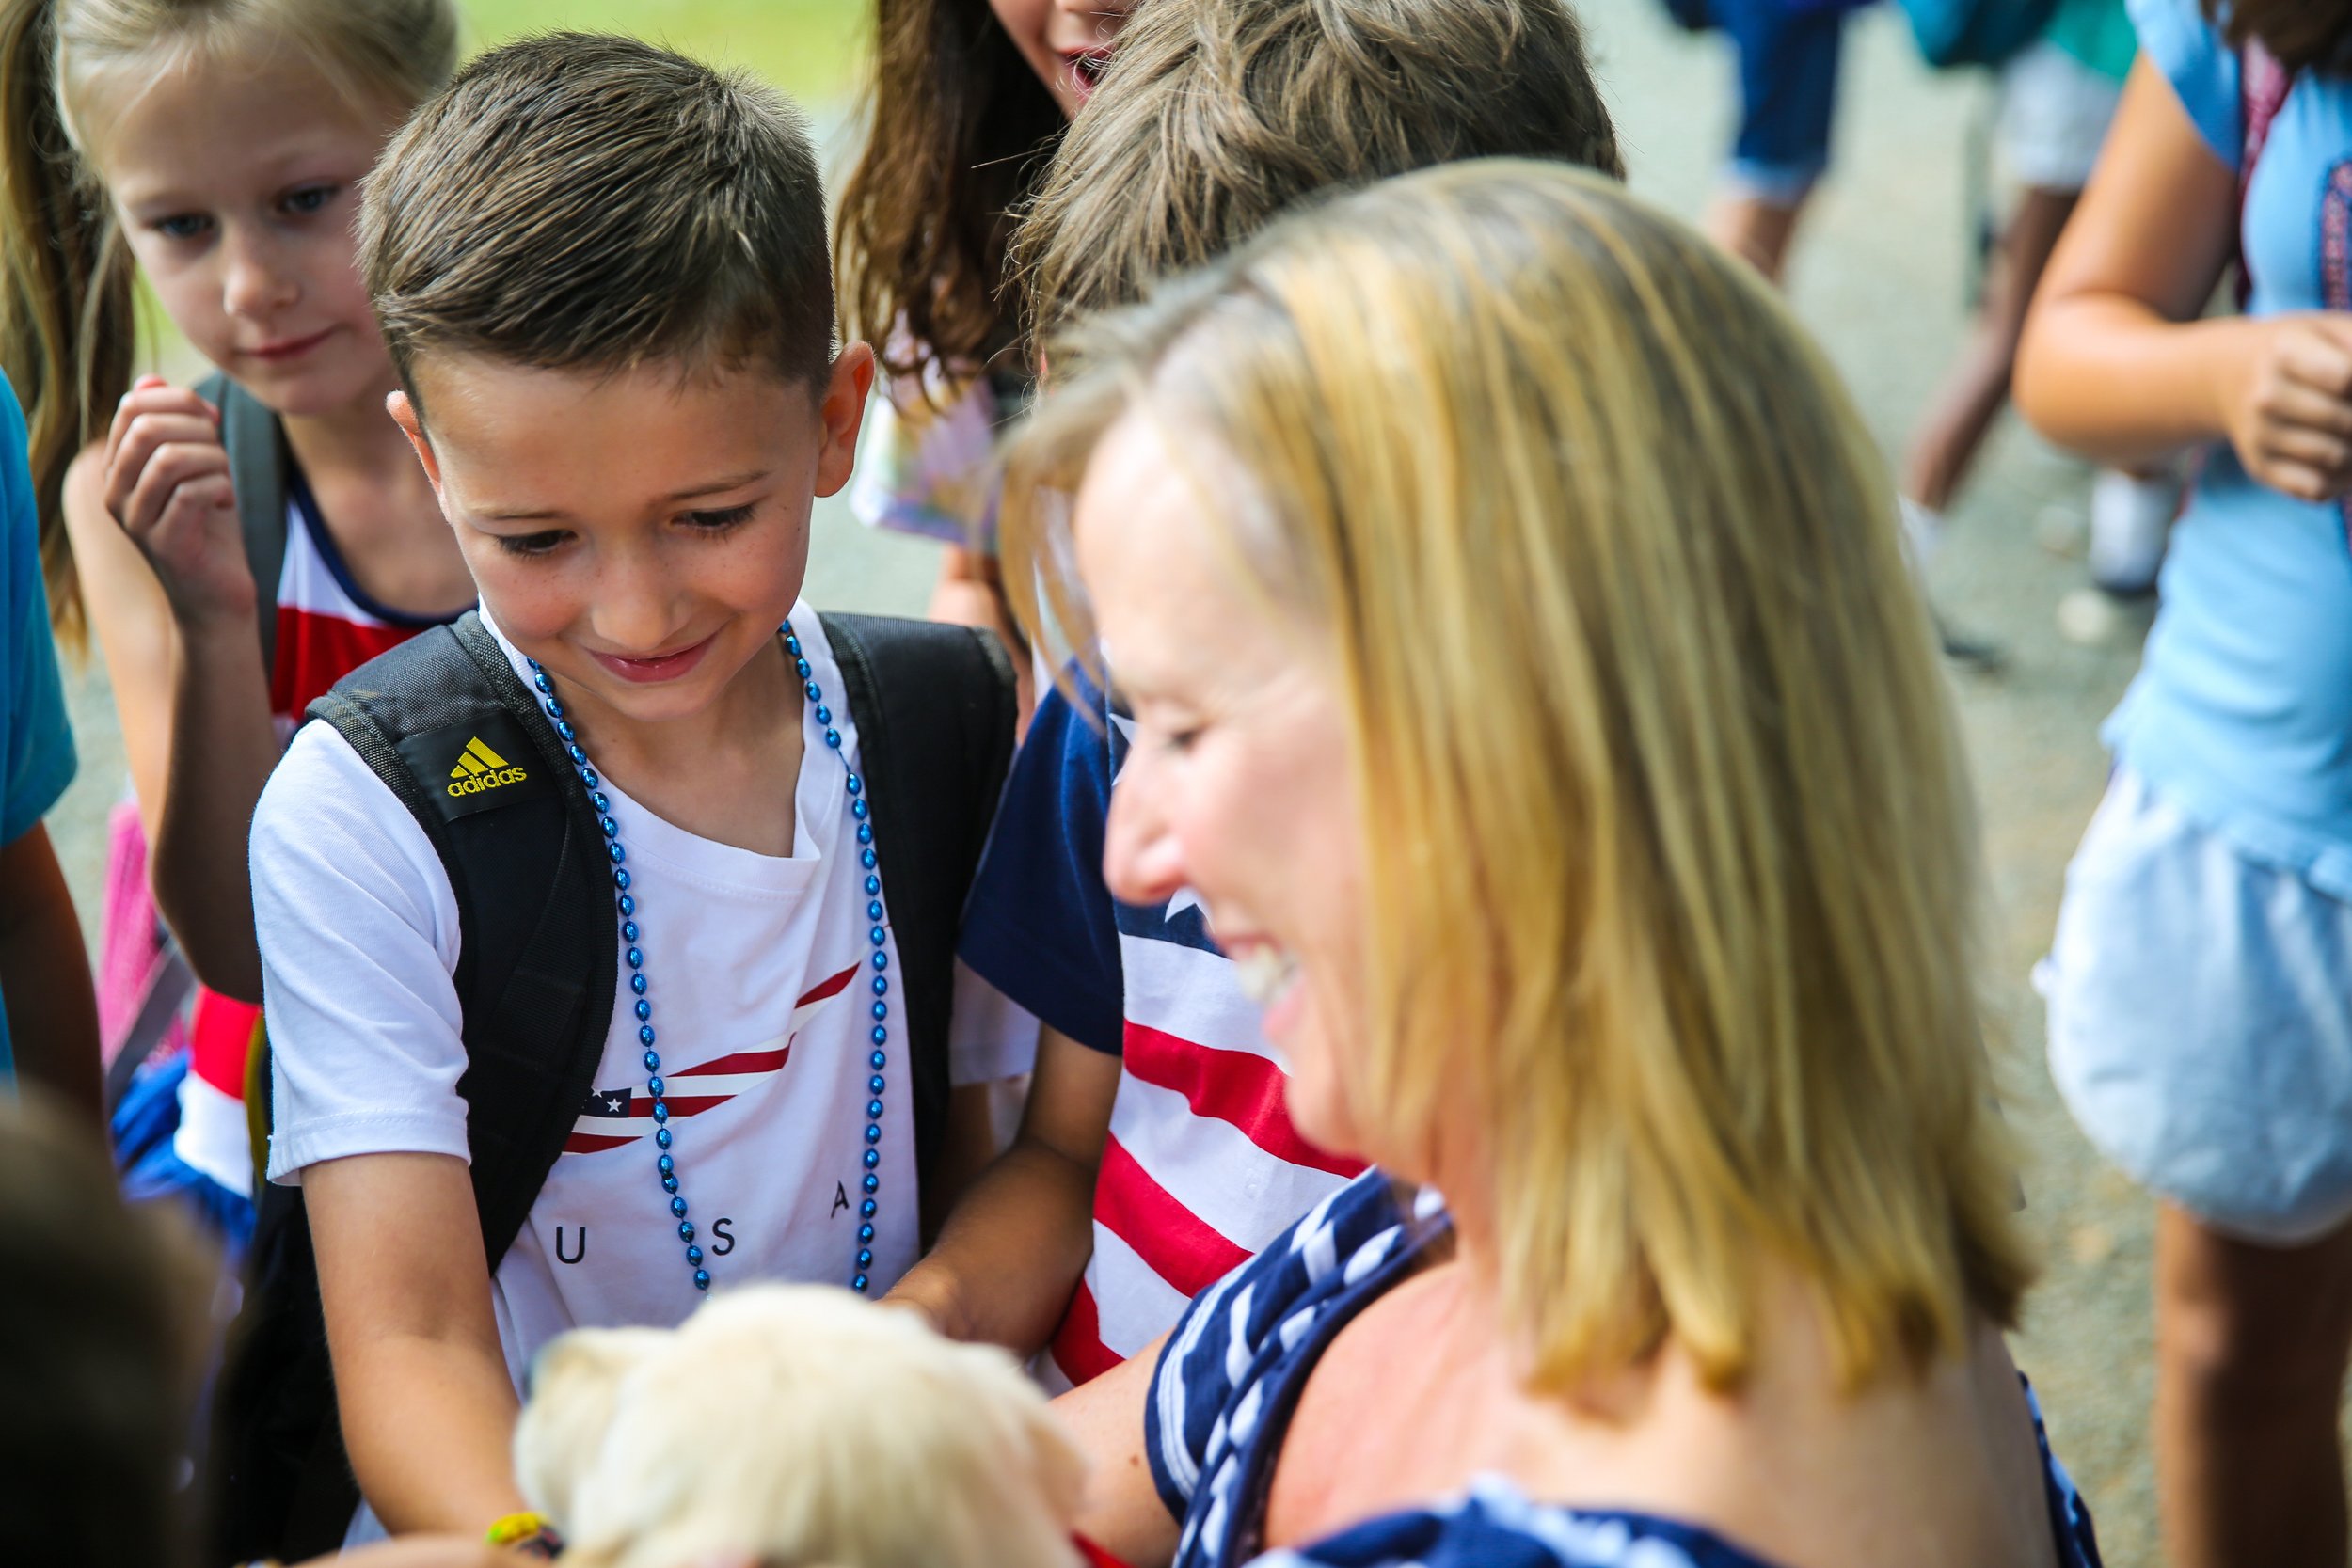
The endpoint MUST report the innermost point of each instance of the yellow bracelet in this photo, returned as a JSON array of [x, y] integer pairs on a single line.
[[516, 1529]]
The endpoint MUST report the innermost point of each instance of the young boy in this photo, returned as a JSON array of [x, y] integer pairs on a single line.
[[1198, 1166], [602, 272]]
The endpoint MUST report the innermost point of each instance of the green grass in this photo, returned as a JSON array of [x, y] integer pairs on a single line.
[[809, 48]]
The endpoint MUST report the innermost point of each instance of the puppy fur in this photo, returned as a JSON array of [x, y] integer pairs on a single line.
[[795, 1426]]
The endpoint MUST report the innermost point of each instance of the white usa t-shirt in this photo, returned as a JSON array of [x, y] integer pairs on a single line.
[[759, 976]]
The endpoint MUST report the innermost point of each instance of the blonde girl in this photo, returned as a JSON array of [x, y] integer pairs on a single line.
[[216, 147], [1570, 776]]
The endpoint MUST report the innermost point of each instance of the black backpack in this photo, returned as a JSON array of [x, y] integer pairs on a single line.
[[934, 711]]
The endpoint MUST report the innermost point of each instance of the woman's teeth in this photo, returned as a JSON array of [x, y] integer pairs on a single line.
[[1266, 974]]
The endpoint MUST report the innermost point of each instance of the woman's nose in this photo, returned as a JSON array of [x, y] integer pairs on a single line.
[[1142, 861]]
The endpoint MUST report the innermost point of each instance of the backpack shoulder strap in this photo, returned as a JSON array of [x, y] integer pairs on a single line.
[[257, 473], [445, 723], [935, 710], [2263, 87], [443, 720]]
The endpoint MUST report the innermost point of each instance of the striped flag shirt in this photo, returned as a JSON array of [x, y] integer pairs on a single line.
[[327, 627], [1202, 1168]]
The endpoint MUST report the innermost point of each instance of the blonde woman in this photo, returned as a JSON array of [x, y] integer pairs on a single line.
[[1526, 678]]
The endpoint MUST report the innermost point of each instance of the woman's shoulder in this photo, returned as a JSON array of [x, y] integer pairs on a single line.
[[1495, 1525], [1332, 1248], [1249, 1328]]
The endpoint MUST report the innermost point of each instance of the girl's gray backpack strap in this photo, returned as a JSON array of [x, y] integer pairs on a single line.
[[257, 472]]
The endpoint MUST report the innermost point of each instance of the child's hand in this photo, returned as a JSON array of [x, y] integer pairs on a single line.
[[167, 485], [2290, 417]]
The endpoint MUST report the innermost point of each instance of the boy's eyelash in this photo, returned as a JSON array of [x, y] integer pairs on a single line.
[[721, 520], [530, 544], [170, 225]]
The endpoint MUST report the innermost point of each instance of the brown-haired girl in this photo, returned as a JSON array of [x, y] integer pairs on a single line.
[[216, 146], [969, 99], [2201, 978]]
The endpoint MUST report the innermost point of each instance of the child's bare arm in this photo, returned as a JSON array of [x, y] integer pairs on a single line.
[[162, 560], [1014, 1248], [45, 976], [2115, 362], [428, 1412]]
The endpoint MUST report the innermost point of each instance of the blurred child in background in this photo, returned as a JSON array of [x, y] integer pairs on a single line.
[[968, 100], [2200, 982], [1788, 57], [2057, 99], [216, 146], [48, 1025]]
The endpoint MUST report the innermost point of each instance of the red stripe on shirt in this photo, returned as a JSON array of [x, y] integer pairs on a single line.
[[220, 1036], [742, 1061], [1078, 1349], [316, 650], [832, 987], [593, 1143], [1172, 1241], [1238, 1087]]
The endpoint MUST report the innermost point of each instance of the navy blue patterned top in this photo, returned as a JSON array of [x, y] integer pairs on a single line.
[[1230, 1375]]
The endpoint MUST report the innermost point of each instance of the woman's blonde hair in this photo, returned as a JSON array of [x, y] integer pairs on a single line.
[[68, 328], [1675, 868]]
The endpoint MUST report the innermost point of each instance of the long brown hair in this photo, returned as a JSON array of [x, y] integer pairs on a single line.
[[2301, 35], [962, 131], [67, 326]]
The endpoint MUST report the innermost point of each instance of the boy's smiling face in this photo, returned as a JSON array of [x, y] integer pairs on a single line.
[[641, 534]]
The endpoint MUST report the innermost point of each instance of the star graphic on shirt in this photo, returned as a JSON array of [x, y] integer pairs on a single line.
[[1125, 726], [612, 1104]]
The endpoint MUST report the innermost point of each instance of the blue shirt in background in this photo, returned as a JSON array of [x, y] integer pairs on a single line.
[[2242, 710], [36, 744]]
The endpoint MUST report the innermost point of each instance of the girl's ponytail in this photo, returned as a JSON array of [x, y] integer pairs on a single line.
[[67, 328]]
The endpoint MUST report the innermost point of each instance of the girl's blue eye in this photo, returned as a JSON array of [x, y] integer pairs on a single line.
[[719, 522], [309, 198], [183, 225]]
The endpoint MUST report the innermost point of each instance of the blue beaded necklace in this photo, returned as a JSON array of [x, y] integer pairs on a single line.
[[877, 936]]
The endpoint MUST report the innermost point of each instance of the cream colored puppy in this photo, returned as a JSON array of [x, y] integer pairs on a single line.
[[795, 1425]]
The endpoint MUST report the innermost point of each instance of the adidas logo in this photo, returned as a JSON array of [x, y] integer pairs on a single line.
[[480, 769]]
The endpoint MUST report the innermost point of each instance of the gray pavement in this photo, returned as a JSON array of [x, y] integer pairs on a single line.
[[1879, 275]]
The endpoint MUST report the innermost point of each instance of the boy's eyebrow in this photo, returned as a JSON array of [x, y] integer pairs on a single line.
[[549, 513]]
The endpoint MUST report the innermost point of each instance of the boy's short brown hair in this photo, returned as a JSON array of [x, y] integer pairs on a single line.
[[585, 203], [1216, 115]]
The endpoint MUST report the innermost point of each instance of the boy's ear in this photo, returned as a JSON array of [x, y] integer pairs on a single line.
[[403, 414], [840, 410]]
